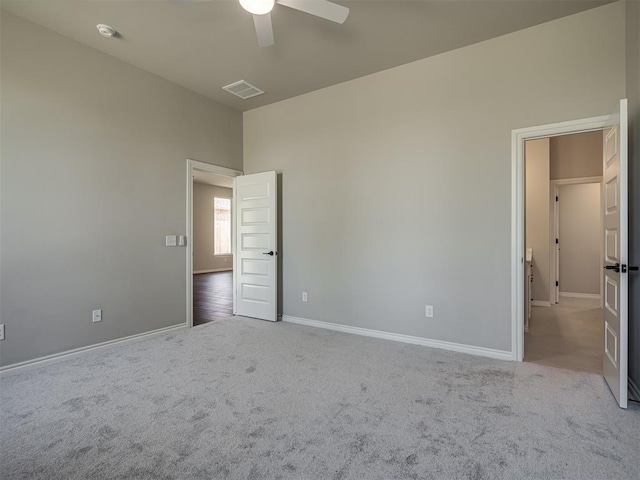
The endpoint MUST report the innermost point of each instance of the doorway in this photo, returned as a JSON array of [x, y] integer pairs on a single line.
[[211, 227], [563, 232], [212, 252], [615, 241], [253, 261]]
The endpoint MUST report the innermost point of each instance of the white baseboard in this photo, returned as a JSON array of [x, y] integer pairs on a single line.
[[57, 357], [397, 337], [594, 296], [540, 303], [213, 270], [634, 391]]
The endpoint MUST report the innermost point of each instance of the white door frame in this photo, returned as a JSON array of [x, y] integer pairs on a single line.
[[554, 292], [518, 137], [193, 165]]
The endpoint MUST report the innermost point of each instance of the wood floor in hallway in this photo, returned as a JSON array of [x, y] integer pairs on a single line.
[[567, 335], [212, 297]]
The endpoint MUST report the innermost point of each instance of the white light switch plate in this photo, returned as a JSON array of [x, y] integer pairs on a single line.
[[97, 316], [2, 332], [428, 311]]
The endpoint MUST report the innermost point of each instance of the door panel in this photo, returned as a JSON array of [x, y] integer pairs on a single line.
[[611, 344], [251, 266], [611, 246], [256, 222], [614, 359], [254, 241], [611, 296], [611, 195]]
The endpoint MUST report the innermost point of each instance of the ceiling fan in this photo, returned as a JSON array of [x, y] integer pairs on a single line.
[[261, 10]]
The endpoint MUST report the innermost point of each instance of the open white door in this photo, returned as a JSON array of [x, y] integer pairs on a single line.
[[616, 241], [256, 246]]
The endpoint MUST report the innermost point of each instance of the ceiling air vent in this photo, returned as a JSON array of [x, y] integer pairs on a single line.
[[243, 89]]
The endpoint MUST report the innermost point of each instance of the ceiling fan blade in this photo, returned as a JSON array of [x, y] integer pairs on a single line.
[[264, 29], [319, 8]]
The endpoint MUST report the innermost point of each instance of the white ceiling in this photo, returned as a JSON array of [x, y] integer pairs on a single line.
[[212, 179], [206, 45]]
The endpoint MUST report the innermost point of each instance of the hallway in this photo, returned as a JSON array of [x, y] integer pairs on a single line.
[[567, 335], [212, 297]]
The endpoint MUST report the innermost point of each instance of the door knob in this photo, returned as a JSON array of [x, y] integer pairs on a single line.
[[615, 268], [270, 253]]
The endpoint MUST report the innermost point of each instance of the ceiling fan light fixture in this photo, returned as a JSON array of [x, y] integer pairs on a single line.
[[258, 7]]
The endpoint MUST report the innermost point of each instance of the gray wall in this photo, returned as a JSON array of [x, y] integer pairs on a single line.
[[441, 233], [578, 155], [580, 239], [537, 225], [93, 176], [633, 94], [203, 238]]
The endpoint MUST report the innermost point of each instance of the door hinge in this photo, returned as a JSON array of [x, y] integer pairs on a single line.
[[557, 241], [557, 284], [557, 198]]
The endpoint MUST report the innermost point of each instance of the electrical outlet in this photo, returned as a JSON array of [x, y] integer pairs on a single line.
[[97, 316], [304, 296], [428, 311], [2, 332], [171, 240]]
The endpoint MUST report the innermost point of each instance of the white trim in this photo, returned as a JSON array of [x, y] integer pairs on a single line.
[[540, 303], [213, 270], [397, 337], [634, 391], [234, 257], [593, 296], [210, 168], [577, 180], [518, 138], [193, 165], [623, 118], [554, 258], [58, 357]]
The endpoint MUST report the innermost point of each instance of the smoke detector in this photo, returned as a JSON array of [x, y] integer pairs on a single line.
[[106, 30]]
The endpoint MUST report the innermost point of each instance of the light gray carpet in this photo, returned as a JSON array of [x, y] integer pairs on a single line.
[[245, 399]]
